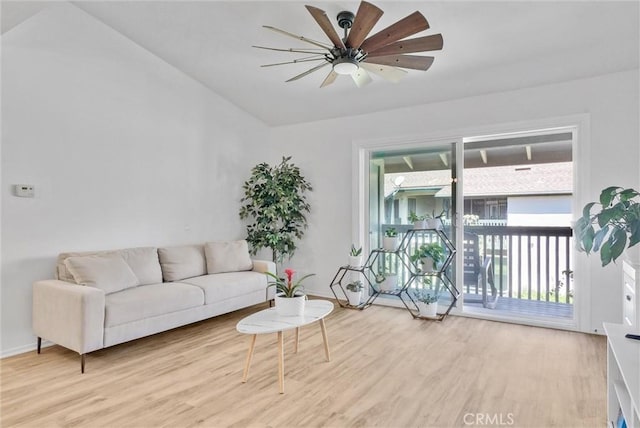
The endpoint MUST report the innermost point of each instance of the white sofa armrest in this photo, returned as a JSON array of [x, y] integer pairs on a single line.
[[263, 266], [68, 314]]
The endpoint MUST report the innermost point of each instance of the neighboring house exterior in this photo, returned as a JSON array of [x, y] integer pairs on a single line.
[[523, 195]]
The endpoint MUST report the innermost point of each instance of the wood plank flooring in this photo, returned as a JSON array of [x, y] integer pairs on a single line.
[[386, 370]]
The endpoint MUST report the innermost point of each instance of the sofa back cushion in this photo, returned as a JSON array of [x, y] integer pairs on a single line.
[[109, 272], [143, 262], [227, 256], [182, 262]]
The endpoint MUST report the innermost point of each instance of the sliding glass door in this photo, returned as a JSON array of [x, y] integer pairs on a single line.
[[505, 203]]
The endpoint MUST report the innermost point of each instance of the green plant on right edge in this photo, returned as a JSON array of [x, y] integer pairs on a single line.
[[355, 252], [617, 224]]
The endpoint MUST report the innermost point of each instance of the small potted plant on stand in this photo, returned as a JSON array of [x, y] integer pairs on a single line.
[[434, 221], [290, 298], [390, 241], [426, 302], [355, 256], [387, 281], [354, 292], [419, 222], [429, 256]]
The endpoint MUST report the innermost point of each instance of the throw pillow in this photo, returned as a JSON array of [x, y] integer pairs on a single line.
[[186, 261], [110, 273], [228, 256]]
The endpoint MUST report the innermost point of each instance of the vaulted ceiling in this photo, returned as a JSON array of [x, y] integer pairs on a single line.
[[488, 47]]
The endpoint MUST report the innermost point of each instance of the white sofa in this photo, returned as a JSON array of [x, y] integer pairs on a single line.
[[104, 298]]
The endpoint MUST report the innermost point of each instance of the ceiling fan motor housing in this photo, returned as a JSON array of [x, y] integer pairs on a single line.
[[345, 19]]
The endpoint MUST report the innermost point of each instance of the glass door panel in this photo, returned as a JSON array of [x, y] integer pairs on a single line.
[[406, 183]]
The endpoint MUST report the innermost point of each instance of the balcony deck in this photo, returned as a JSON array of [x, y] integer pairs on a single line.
[[528, 308]]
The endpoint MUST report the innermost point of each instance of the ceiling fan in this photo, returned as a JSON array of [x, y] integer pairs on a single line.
[[383, 54]]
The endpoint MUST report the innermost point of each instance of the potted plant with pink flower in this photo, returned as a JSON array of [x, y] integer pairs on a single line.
[[289, 294]]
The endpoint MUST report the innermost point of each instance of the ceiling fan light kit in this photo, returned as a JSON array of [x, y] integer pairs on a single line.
[[384, 53], [345, 65]]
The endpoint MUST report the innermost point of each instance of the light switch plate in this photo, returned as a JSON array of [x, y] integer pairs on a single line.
[[25, 190]]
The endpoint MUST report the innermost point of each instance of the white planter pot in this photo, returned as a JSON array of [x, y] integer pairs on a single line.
[[390, 243], [428, 310], [290, 306], [420, 224], [427, 265], [354, 297], [434, 223], [389, 284], [355, 261]]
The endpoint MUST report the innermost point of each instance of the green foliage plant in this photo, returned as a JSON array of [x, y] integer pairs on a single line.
[[275, 203], [355, 252], [432, 249], [391, 232], [612, 228]]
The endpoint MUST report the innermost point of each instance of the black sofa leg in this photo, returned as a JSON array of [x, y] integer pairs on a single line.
[[39, 344], [81, 363]]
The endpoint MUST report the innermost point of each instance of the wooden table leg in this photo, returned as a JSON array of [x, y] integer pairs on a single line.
[[295, 346], [245, 374], [281, 362], [324, 338]]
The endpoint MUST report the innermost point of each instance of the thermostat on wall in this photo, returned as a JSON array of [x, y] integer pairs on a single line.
[[24, 190]]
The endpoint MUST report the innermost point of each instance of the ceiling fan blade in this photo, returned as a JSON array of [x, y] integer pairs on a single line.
[[361, 77], [295, 61], [406, 27], [366, 18], [323, 21], [331, 77], [304, 39], [420, 44], [391, 74], [311, 70], [414, 62], [294, 50]]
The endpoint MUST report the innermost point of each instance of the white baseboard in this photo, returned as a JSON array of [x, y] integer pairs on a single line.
[[22, 349]]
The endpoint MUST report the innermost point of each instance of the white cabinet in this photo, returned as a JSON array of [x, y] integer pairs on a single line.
[[623, 375], [630, 295]]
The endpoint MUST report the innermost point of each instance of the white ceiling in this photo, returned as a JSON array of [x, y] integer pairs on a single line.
[[488, 47]]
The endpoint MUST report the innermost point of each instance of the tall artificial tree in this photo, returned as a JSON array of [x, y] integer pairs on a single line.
[[275, 203]]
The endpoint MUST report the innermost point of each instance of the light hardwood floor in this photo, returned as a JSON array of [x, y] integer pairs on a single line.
[[386, 370]]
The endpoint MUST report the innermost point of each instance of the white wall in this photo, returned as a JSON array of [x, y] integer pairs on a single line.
[[323, 150], [124, 150]]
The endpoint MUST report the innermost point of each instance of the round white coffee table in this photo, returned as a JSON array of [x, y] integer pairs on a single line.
[[268, 321]]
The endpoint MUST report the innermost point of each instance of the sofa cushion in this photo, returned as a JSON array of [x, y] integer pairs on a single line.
[[181, 262], [222, 286], [108, 272], [147, 301], [227, 256], [143, 262]]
